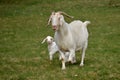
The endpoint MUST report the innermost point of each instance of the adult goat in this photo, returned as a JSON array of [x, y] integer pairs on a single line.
[[69, 36]]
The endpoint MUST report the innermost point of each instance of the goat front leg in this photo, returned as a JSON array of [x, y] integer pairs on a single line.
[[63, 60], [60, 58], [71, 56], [51, 56], [63, 64], [73, 59]]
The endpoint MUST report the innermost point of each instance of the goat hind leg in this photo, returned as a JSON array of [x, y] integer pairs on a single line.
[[83, 54]]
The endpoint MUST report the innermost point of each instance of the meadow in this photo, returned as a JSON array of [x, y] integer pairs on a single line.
[[23, 26]]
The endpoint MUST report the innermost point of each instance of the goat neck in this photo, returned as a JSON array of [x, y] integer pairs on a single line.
[[63, 29]]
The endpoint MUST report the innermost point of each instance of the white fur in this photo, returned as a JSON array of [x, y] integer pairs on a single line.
[[69, 36]]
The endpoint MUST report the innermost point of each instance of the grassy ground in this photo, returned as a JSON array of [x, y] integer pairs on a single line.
[[23, 27]]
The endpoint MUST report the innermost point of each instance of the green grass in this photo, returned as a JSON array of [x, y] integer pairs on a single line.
[[23, 25]]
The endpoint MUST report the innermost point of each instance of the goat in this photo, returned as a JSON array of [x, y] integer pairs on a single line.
[[52, 47], [69, 36]]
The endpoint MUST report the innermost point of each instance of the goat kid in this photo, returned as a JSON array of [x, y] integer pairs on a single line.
[[52, 47]]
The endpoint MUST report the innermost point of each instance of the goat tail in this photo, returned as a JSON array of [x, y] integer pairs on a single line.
[[86, 23]]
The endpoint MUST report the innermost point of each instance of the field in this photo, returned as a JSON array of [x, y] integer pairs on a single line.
[[23, 26]]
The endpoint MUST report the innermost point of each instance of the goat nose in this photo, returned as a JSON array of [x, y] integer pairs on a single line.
[[49, 42], [54, 27]]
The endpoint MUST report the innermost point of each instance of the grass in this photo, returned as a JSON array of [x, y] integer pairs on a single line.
[[23, 27]]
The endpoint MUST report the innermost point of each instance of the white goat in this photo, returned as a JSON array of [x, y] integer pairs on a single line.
[[69, 37], [52, 47]]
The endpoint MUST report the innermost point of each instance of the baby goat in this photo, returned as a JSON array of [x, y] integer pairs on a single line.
[[52, 47]]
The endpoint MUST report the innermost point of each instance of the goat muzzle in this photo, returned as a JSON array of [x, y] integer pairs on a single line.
[[49, 41], [54, 28]]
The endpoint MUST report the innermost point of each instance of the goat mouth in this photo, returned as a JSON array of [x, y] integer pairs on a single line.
[[54, 28], [49, 42]]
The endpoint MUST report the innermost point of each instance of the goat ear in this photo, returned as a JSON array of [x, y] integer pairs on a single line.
[[43, 41], [49, 20], [61, 20]]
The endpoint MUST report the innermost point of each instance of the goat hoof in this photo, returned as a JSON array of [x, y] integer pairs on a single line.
[[73, 62], [50, 59], [81, 65], [63, 68], [69, 62]]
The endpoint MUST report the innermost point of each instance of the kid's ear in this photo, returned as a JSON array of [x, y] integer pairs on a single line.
[[43, 41]]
